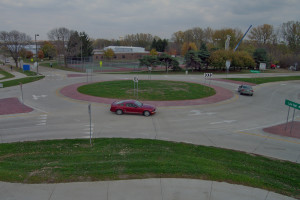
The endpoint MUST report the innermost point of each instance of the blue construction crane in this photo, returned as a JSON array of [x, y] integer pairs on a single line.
[[242, 38]]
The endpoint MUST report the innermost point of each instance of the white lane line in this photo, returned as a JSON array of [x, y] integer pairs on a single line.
[[222, 122]]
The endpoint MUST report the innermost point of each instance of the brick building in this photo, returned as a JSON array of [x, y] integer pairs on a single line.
[[121, 53]]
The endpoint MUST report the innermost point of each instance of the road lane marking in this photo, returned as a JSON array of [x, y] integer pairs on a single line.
[[222, 122]]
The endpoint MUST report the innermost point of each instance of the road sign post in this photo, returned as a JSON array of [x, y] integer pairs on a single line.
[[136, 89], [294, 105], [207, 75], [228, 63], [149, 73], [255, 72], [21, 87], [90, 116]]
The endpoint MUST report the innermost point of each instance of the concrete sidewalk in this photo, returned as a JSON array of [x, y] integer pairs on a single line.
[[13, 72], [144, 189]]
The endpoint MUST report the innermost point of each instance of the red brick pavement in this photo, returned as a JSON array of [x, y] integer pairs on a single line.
[[284, 130], [13, 106]]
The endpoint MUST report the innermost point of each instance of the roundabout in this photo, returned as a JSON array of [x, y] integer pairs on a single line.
[[221, 94], [224, 120]]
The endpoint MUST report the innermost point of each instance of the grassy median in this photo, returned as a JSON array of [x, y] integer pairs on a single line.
[[5, 74], [154, 90], [113, 158], [21, 80], [261, 80]]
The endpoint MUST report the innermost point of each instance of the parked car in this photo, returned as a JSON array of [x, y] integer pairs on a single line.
[[132, 106], [246, 89]]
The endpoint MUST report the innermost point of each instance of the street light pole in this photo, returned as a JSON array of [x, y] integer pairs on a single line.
[[37, 63], [81, 42]]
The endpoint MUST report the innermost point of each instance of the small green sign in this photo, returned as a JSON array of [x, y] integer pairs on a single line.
[[292, 104], [254, 71]]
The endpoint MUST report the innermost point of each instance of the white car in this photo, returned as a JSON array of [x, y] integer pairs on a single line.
[[246, 89]]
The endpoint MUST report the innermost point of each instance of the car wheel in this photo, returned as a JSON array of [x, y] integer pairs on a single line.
[[146, 113], [119, 112]]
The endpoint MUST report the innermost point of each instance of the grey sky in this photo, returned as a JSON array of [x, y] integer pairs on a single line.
[[111, 19]]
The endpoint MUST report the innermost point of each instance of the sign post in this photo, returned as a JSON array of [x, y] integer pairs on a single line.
[[207, 75], [21, 87], [136, 90], [255, 72], [228, 63], [294, 105], [149, 73], [89, 72], [90, 116]]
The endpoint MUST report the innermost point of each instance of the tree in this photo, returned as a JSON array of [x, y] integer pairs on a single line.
[[238, 59], [41, 54], [87, 45], [204, 54], [263, 34], [168, 61], [109, 54], [139, 40], [13, 42], [159, 45], [260, 55], [192, 60], [188, 46], [220, 36], [48, 50], [153, 52], [291, 34], [61, 36], [101, 43], [177, 41], [74, 45], [149, 61]]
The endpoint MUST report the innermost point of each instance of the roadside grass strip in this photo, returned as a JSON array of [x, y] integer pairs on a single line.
[[257, 80], [76, 160], [21, 80], [153, 90], [6, 75]]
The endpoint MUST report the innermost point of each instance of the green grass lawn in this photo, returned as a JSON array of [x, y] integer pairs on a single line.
[[21, 80], [6, 74], [266, 79], [113, 158], [148, 90]]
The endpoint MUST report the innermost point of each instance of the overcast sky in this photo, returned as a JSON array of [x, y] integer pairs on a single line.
[[111, 19]]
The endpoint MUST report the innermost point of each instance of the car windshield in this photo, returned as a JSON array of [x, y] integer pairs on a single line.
[[247, 87], [139, 104], [119, 102]]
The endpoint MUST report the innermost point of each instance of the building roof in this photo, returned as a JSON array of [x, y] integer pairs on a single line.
[[125, 49]]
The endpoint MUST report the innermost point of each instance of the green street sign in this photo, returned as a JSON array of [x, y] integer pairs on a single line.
[[254, 71], [292, 104]]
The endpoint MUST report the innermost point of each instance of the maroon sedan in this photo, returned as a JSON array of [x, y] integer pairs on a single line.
[[132, 106]]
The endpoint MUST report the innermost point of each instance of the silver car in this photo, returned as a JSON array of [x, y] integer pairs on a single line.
[[245, 89]]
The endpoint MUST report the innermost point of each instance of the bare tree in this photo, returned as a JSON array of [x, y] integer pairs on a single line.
[[291, 35], [13, 42], [263, 34], [61, 37]]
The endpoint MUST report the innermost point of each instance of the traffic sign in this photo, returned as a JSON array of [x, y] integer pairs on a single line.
[[254, 71], [292, 104], [135, 79], [228, 63], [208, 75]]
